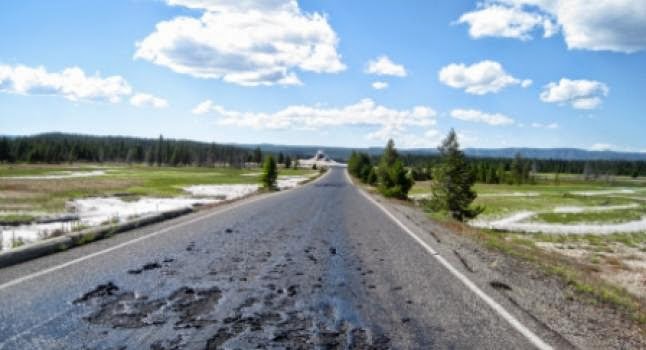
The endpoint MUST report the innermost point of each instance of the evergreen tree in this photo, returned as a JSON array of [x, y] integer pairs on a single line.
[[257, 155], [288, 162], [392, 177], [501, 174], [281, 158], [491, 176], [517, 170], [269, 173], [160, 143], [453, 181]]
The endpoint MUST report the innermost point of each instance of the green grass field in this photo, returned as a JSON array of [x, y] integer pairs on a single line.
[[51, 195], [608, 268], [499, 201]]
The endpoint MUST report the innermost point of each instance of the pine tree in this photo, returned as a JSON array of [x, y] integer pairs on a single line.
[[257, 155], [501, 175], [392, 177], [453, 181], [517, 170], [269, 173], [160, 143], [288, 162]]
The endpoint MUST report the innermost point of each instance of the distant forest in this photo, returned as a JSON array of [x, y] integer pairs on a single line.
[[490, 170], [57, 148], [60, 147]]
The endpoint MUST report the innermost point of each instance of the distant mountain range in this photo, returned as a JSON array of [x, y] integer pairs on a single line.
[[342, 153]]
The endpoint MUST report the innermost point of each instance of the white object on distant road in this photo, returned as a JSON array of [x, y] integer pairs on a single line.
[[320, 159]]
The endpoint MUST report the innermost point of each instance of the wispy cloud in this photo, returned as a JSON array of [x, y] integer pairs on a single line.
[[366, 112], [476, 116]]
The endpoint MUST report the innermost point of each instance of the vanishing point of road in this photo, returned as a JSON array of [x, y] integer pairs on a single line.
[[322, 266]]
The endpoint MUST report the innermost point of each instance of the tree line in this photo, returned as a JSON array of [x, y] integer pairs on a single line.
[[522, 170], [58, 148]]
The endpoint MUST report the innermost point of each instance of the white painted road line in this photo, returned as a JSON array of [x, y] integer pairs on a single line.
[[142, 238], [526, 332]]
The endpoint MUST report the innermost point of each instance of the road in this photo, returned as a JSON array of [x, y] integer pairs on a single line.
[[319, 266]]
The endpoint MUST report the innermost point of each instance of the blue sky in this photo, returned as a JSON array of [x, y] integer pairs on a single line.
[[503, 73]]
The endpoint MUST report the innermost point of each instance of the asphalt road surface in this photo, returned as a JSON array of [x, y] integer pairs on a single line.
[[319, 266]]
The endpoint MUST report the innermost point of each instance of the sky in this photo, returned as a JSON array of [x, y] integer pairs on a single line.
[[502, 73]]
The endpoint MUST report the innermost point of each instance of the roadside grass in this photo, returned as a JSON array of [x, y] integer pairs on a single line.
[[500, 200], [587, 264], [51, 195], [15, 219], [612, 216], [579, 276]]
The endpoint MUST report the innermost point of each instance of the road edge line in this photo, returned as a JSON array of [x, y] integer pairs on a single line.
[[499, 309], [150, 235]]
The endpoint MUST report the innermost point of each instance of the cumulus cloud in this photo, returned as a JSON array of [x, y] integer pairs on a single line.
[[147, 100], [580, 94], [504, 21], [476, 116], [365, 113], [248, 43], [603, 25], [70, 83], [382, 65], [379, 85], [479, 78]]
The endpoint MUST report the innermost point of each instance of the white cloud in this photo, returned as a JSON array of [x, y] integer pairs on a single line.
[[545, 126], [379, 85], [503, 21], [382, 65], [147, 100], [203, 108], [479, 78], [526, 83], [70, 83], [366, 112], [476, 116], [601, 25], [580, 94], [248, 43], [403, 139]]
